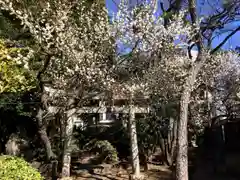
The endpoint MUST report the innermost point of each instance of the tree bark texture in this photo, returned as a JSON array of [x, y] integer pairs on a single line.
[[54, 170], [182, 133], [172, 141], [134, 143], [43, 134], [42, 130]]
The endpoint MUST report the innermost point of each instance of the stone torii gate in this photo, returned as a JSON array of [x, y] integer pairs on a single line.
[[102, 109]]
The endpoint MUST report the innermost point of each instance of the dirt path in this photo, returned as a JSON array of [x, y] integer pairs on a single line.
[[154, 173], [203, 171]]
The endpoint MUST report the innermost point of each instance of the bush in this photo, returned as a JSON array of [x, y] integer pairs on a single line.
[[16, 168], [105, 151], [108, 152]]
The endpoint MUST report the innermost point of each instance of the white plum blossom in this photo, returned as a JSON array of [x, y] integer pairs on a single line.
[[79, 44]]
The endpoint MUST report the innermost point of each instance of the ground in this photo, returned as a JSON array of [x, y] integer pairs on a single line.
[[203, 170], [154, 173], [200, 168]]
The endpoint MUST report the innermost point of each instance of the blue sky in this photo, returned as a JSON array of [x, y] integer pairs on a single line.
[[205, 7]]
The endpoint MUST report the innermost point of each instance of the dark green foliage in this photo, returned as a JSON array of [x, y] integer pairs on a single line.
[[16, 168], [116, 134], [16, 112], [16, 103], [149, 134], [105, 151], [7, 25]]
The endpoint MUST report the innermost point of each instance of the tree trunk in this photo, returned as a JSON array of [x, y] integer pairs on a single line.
[[54, 170], [171, 142], [43, 135], [42, 130], [182, 134], [134, 143], [164, 149], [174, 141], [145, 162], [182, 142], [67, 143], [168, 144]]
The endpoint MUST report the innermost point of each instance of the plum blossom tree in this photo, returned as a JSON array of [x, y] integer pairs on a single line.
[[77, 44], [75, 40], [142, 32], [172, 74]]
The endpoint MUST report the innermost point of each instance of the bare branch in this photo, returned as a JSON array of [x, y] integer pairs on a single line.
[[225, 40]]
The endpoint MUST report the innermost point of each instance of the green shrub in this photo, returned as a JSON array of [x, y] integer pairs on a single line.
[[16, 168], [105, 151]]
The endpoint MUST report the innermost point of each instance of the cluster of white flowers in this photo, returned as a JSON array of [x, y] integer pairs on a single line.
[[139, 29], [217, 67], [226, 79], [140, 25], [217, 72], [81, 40], [24, 59], [78, 37]]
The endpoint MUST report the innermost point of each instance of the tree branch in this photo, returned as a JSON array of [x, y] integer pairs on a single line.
[[192, 11], [197, 38], [42, 71], [174, 7], [45, 65], [225, 40]]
